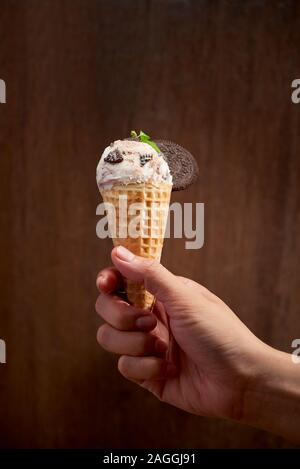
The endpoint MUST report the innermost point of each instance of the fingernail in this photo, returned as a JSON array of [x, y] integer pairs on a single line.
[[124, 254], [145, 322], [161, 346]]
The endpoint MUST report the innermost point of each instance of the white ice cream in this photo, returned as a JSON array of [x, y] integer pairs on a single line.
[[131, 161]]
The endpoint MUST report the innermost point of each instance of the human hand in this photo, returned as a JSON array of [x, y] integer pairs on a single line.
[[192, 351]]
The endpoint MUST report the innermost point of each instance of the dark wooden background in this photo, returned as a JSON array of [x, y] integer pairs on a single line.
[[215, 76]]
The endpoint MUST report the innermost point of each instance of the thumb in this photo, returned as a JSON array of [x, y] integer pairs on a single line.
[[157, 279]]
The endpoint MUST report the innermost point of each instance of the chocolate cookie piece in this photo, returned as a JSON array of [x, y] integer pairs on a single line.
[[114, 157], [182, 164], [144, 159]]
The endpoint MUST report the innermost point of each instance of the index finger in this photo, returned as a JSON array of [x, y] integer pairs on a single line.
[[109, 280]]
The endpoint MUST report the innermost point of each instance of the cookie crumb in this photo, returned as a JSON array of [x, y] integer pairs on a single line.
[[114, 157]]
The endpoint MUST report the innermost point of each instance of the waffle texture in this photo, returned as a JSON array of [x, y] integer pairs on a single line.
[[140, 227]]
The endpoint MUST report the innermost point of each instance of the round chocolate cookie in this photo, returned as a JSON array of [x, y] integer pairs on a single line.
[[182, 164]]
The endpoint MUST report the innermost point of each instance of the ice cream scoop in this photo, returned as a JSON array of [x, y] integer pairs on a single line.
[[132, 162]]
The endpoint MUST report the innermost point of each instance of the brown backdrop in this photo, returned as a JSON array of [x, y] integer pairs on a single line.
[[214, 76]]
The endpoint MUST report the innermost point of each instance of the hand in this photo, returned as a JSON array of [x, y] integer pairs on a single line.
[[192, 351]]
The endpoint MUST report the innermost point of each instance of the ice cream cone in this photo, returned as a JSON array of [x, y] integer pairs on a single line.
[[139, 227]]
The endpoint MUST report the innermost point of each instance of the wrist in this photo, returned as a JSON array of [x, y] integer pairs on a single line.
[[271, 398]]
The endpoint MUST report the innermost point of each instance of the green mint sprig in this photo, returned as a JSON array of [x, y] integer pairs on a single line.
[[142, 137]]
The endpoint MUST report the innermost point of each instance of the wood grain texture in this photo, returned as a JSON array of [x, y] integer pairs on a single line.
[[213, 76]]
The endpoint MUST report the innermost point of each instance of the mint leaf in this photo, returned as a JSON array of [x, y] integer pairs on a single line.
[[145, 139], [153, 145], [133, 134]]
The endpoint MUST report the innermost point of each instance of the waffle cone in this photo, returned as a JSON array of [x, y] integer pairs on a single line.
[[140, 230]]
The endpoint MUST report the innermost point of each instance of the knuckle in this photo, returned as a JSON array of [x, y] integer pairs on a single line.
[[151, 266], [185, 281], [152, 270], [101, 304], [123, 365], [103, 335], [98, 305]]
